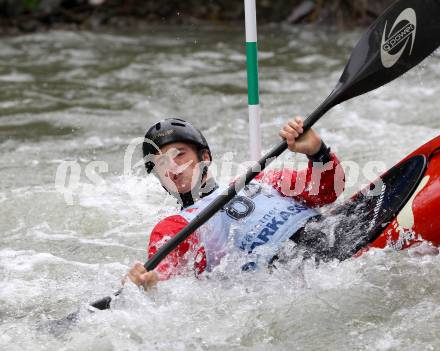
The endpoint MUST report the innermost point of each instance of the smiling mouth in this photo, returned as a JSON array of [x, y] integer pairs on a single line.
[[177, 179]]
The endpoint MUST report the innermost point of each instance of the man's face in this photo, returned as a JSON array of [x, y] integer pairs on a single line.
[[177, 167]]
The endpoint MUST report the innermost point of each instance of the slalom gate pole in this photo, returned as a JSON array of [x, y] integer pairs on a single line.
[[252, 79]]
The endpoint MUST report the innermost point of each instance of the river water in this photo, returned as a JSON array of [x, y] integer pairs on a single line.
[[74, 216]]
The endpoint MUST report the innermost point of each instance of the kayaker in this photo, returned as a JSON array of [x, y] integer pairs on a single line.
[[257, 222]]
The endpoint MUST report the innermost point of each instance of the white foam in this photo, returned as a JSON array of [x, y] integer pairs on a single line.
[[16, 77]]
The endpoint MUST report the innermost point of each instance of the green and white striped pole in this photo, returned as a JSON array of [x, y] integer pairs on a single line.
[[252, 79]]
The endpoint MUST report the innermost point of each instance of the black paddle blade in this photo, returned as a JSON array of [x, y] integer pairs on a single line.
[[102, 304], [407, 32], [402, 37]]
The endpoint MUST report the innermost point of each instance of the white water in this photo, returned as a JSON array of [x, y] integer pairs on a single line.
[[83, 97]]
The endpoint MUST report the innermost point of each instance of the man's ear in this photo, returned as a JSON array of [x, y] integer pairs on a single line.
[[205, 156]]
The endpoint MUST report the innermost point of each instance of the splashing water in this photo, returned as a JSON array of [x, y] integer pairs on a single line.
[[83, 97]]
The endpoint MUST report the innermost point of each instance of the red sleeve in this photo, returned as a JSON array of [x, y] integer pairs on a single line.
[[317, 185], [178, 258]]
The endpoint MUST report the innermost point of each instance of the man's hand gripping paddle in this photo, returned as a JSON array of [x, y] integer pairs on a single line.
[[398, 40]]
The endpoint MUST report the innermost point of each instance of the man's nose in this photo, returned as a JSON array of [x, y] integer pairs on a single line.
[[172, 174], [174, 169]]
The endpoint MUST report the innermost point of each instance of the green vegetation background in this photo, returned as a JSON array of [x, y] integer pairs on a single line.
[[30, 15]]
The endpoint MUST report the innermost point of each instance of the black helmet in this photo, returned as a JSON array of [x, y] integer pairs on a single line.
[[171, 130]]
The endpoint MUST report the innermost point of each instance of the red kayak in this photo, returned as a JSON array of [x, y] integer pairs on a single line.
[[400, 208], [419, 219]]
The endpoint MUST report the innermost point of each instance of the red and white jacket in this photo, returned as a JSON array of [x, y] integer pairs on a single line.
[[256, 222]]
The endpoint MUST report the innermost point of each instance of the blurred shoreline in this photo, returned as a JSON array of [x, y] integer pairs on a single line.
[[27, 16]]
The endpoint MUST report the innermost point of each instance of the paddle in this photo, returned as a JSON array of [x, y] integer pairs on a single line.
[[398, 40]]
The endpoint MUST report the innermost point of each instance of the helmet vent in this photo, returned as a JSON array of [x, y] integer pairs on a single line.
[[178, 124], [157, 126]]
